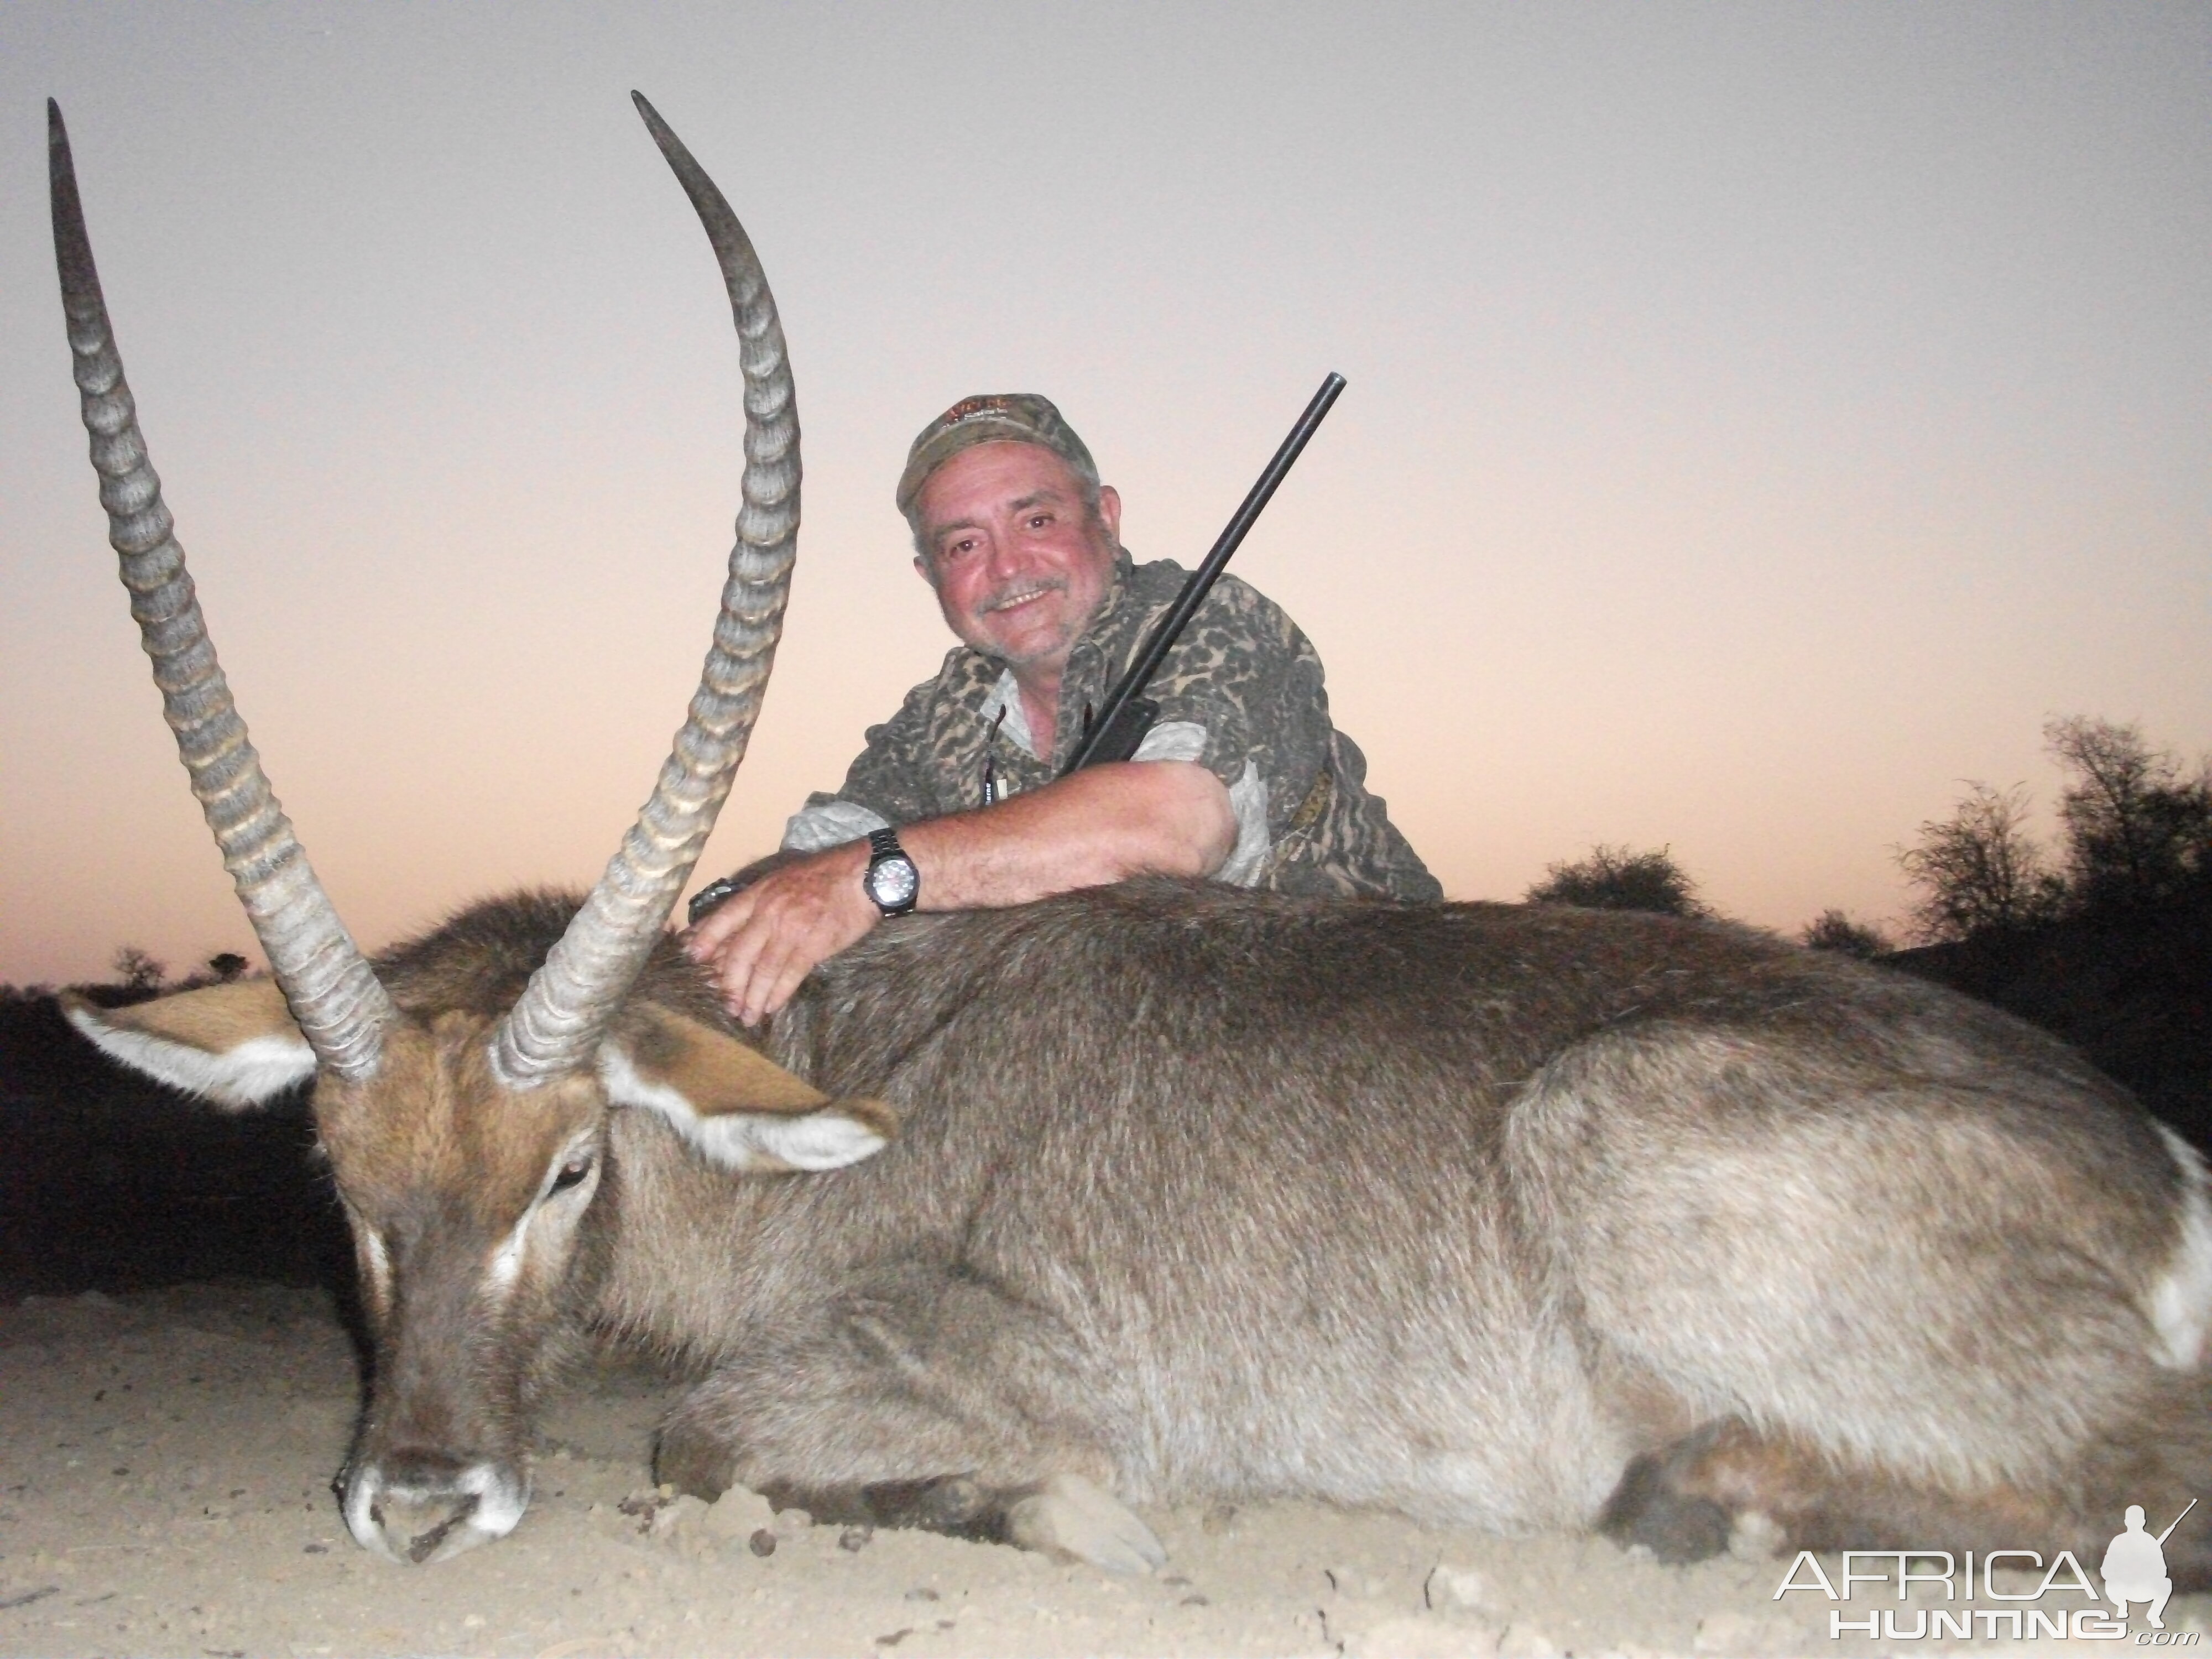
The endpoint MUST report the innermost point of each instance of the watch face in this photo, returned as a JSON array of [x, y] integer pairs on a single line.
[[893, 883]]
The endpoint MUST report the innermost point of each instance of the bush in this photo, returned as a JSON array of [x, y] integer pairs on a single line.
[[1614, 878]]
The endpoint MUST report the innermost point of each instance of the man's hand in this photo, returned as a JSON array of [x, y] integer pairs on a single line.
[[759, 943], [1134, 818]]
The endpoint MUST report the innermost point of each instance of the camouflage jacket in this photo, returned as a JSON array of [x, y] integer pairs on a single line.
[[1241, 694]]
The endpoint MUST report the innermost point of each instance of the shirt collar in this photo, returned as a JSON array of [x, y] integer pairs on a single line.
[[1004, 699]]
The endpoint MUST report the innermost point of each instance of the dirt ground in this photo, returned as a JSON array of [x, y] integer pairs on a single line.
[[164, 1468]]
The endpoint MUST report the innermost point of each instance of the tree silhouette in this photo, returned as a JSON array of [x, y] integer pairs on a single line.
[[2138, 833], [1831, 930], [1614, 878], [226, 965], [138, 969], [1979, 871]]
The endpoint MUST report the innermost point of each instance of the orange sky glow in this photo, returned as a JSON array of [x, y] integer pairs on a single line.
[[1759, 420]]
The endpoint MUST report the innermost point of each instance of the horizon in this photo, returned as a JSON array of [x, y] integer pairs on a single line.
[[1759, 424]]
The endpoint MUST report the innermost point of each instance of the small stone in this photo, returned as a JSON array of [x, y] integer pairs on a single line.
[[737, 1513], [1524, 1640], [1217, 1519], [761, 1543], [921, 1594], [1754, 1538], [853, 1539], [792, 1523], [1449, 1586], [1415, 1638], [1744, 1633], [683, 1513], [1351, 1583]]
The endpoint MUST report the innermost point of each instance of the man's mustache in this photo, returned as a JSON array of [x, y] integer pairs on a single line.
[[1028, 587]]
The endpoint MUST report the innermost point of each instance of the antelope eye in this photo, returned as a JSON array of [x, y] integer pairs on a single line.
[[571, 1173]]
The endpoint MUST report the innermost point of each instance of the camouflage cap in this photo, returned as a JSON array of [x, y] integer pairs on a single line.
[[1021, 417]]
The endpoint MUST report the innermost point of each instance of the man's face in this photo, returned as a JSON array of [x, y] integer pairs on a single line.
[[1017, 564]]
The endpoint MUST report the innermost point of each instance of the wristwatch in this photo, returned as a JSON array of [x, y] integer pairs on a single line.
[[892, 883]]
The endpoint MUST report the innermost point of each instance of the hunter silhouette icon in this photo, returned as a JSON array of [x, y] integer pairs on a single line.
[[2134, 1565]]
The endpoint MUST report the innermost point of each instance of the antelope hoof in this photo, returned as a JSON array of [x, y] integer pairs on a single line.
[[1069, 1516], [1647, 1507], [697, 1463]]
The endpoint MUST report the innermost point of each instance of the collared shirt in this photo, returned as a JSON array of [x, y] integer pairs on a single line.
[[1241, 694]]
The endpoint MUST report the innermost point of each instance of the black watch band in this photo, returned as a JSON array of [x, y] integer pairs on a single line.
[[891, 882]]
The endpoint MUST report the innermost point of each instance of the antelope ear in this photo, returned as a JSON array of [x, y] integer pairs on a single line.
[[234, 1044], [736, 1105]]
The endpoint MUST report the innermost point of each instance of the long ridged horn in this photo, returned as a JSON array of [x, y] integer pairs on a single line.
[[341, 1009], [556, 1027]]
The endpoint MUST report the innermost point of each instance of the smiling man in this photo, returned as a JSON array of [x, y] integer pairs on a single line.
[[957, 802]]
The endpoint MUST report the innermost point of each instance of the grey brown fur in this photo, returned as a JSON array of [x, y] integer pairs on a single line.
[[1460, 1210]]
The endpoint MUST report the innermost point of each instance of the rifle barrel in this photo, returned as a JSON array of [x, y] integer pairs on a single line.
[[2177, 1521], [1164, 636]]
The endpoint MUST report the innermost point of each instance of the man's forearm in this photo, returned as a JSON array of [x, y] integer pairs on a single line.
[[1104, 824], [1137, 817]]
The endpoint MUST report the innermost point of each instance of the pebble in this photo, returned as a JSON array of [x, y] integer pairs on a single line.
[[737, 1513], [1417, 1637], [1351, 1581], [1754, 1538], [1746, 1633], [679, 1513], [1450, 1586], [792, 1523], [761, 1543], [1524, 1640]]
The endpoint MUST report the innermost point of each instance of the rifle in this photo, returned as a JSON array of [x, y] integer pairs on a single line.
[[1121, 724]]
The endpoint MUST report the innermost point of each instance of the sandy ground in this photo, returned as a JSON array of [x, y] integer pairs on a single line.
[[164, 1468]]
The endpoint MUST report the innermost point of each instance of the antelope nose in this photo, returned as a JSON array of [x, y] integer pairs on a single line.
[[420, 1527], [428, 1507]]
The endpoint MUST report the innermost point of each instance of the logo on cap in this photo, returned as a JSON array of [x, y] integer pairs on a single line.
[[969, 408]]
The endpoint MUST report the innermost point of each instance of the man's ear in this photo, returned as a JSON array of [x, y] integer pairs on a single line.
[[1110, 512], [732, 1102], [235, 1045]]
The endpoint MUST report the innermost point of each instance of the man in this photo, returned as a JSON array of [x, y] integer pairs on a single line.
[[956, 803]]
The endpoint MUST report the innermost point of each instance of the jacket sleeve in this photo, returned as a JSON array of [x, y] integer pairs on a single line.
[[888, 782], [1245, 674]]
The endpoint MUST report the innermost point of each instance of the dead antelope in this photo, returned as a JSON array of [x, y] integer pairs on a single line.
[[1518, 1217]]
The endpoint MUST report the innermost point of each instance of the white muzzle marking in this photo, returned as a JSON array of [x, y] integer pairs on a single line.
[[483, 1503]]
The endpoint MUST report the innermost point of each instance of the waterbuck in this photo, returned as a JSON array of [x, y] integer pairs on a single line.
[[1519, 1218]]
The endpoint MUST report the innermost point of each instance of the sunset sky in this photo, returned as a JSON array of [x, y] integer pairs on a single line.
[[1760, 419]]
